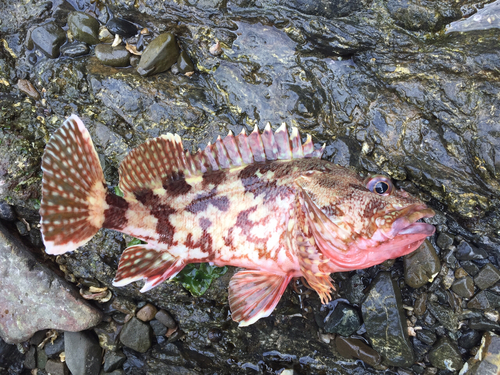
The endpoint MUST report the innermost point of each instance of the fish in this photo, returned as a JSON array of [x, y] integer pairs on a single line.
[[264, 202]]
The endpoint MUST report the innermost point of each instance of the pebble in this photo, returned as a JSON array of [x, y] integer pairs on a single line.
[[113, 360], [22, 228], [184, 63], [83, 353], [420, 306], [444, 315], [26, 282], [122, 27], [30, 358], [7, 212], [136, 335], [41, 358], [421, 266], [469, 339], [385, 322], [147, 313], [84, 27], [166, 319], [469, 266], [426, 336], [124, 305], [444, 241], [357, 349], [445, 355], [61, 12], [54, 367], [465, 251], [487, 277], [112, 56], [158, 328], [27, 87], [75, 49], [483, 324], [49, 38], [464, 287], [108, 335], [216, 49], [160, 54], [490, 353], [484, 300], [52, 349], [343, 320]]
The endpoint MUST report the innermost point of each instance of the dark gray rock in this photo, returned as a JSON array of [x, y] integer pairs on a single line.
[[487, 277], [184, 63], [466, 251], [426, 336], [166, 319], [55, 367], [484, 300], [11, 359], [464, 287], [61, 12], [385, 322], [469, 339], [160, 54], [121, 27], [83, 353], [159, 328], [136, 335], [483, 324], [113, 56], [444, 315], [49, 38], [30, 358], [84, 27], [41, 358], [353, 289], [113, 360], [357, 349], [7, 212], [421, 266], [343, 320], [52, 349], [444, 241], [27, 283], [445, 355], [75, 49]]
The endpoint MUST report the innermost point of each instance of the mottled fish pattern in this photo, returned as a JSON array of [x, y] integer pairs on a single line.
[[263, 201]]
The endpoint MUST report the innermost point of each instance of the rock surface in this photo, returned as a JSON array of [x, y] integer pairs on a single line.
[[83, 353], [29, 293]]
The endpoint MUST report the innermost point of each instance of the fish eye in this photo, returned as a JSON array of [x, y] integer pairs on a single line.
[[379, 184]]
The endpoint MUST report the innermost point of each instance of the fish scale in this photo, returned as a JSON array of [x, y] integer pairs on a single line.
[[264, 202]]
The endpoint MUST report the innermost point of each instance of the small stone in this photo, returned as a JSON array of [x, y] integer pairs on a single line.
[[52, 349], [61, 12], [460, 273], [469, 339], [30, 358], [124, 305], [484, 300], [38, 337], [184, 63], [108, 335], [426, 336], [136, 335], [49, 38], [54, 367], [444, 315], [490, 353], [22, 228], [357, 349], [27, 87], [166, 319], [445, 355], [7, 212], [160, 54], [470, 267], [41, 358], [216, 49], [421, 266], [122, 27], [354, 289], [444, 241], [343, 320], [147, 313], [465, 251], [84, 27], [112, 56], [83, 353], [483, 324], [113, 360], [158, 328], [75, 49], [487, 277], [420, 304], [464, 287]]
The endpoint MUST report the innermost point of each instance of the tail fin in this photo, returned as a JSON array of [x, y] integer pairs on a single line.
[[73, 189]]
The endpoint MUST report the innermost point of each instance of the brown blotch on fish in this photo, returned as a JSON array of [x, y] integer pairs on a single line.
[[114, 216]]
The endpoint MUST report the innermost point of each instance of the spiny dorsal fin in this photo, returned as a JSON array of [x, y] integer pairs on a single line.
[[161, 160]]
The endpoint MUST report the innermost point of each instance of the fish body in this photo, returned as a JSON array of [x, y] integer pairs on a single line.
[[264, 202]]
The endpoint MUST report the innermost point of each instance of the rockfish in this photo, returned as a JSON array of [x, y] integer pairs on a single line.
[[264, 202]]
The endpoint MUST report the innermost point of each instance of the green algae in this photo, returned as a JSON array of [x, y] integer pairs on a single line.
[[197, 277]]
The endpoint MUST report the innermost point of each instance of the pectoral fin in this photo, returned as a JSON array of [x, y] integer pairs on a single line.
[[254, 295]]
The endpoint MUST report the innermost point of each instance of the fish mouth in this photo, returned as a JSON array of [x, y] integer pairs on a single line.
[[408, 223]]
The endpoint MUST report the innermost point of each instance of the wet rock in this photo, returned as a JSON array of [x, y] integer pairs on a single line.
[[11, 359], [184, 63], [470, 267], [108, 335], [489, 352], [421, 266], [464, 287], [444, 241], [484, 300], [469, 339], [7, 212], [466, 251], [61, 12], [420, 304], [147, 313], [343, 320], [22, 228], [41, 358], [413, 16], [49, 38], [426, 336], [25, 282], [121, 27], [445, 355], [75, 49], [159, 328], [83, 353], [113, 360], [52, 349], [159, 55], [357, 349], [166, 319], [84, 27], [354, 289], [385, 322], [136, 335], [483, 324], [30, 358], [487, 277], [113, 56], [124, 305], [27, 87], [444, 315], [54, 367]]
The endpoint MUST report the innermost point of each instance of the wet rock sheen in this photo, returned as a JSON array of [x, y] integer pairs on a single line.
[[113, 56], [160, 54]]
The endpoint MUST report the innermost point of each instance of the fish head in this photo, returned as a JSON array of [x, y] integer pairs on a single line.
[[357, 223]]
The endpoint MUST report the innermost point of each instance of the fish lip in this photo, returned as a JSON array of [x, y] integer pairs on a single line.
[[407, 224]]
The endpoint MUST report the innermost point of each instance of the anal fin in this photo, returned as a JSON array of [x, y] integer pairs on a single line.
[[144, 262], [255, 294]]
